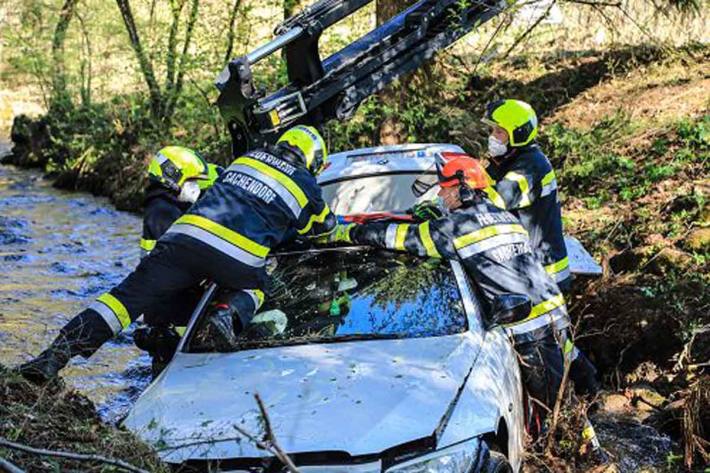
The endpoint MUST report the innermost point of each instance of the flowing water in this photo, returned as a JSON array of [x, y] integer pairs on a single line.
[[58, 251]]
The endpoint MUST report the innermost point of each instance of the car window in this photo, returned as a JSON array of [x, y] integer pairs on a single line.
[[342, 295], [385, 193]]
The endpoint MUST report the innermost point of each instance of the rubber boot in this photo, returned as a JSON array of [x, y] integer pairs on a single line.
[[47, 365], [221, 328]]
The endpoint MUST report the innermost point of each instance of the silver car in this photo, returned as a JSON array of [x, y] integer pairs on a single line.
[[366, 360]]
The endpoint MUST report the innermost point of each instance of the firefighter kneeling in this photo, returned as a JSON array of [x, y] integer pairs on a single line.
[[262, 199]]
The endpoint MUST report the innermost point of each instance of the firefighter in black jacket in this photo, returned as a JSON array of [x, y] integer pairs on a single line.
[[526, 184], [176, 177], [226, 237], [495, 251]]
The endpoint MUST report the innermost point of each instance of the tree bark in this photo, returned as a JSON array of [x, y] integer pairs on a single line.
[[59, 79], [156, 97], [391, 130], [176, 7], [230, 31], [182, 65]]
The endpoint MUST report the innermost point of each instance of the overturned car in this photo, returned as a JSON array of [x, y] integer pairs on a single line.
[[365, 360]]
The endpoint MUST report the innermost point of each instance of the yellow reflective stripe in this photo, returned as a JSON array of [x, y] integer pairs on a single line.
[[180, 330], [557, 267], [400, 236], [494, 197], [147, 245], [487, 232], [320, 218], [259, 295], [425, 236], [546, 306], [226, 234], [117, 308], [282, 178], [549, 177], [522, 184]]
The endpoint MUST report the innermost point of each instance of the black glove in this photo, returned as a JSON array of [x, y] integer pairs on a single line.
[[427, 210]]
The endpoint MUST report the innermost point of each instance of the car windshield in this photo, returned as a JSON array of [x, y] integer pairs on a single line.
[[342, 295]]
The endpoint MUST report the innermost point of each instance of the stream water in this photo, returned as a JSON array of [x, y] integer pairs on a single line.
[[58, 251]]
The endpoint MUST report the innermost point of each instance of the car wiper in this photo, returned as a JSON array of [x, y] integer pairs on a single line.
[[275, 342]]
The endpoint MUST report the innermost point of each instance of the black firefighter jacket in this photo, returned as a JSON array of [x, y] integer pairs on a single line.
[[495, 251], [527, 185]]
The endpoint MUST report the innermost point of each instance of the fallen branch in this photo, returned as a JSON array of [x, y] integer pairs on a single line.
[[70, 455], [8, 467], [280, 454], [567, 362]]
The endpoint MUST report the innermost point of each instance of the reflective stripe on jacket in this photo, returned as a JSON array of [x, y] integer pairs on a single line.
[[493, 248], [527, 184], [257, 202]]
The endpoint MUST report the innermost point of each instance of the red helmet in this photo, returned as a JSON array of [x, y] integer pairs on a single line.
[[462, 169]]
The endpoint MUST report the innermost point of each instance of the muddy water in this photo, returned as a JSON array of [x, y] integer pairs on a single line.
[[58, 251]]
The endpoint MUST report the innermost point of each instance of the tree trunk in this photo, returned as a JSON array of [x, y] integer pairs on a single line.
[[392, 130], [230, 30], [156, 97], [176, 7], [182, 65], [59, 79]]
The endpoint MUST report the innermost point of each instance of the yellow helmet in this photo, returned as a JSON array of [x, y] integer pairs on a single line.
[[516, 117], [213, 172], [173, 165], [309, 144]]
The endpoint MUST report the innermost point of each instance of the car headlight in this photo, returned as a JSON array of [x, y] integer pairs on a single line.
[[459, 458]]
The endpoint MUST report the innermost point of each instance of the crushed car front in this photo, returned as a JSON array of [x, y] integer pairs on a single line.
[[362, 363]]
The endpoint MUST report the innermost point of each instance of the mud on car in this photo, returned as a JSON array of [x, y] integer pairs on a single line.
[[366, 360]]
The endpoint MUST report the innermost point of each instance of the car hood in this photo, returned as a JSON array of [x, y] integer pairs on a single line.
[[356, 397]]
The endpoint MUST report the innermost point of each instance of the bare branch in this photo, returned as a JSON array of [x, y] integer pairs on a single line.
[[537, 22], [9, 467], [71, 456], [595, 4], [272, 438]]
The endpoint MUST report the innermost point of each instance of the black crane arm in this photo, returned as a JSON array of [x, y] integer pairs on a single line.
[[322, 90]]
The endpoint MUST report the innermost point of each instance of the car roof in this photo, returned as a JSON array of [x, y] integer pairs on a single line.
[[415, 157]]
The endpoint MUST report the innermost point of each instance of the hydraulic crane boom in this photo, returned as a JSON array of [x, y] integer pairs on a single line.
[[322, 90]]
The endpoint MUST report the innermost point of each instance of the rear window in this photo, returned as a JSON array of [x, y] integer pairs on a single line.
[[389, 193], [342, 295]]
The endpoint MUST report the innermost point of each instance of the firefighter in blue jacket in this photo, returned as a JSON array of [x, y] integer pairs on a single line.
[[226, 236]]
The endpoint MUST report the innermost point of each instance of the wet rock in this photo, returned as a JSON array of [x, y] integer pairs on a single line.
[[698, 240], [13, 239], [632, 445]]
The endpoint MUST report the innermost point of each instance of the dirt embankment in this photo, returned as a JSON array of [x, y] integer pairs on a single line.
[[60, 420]]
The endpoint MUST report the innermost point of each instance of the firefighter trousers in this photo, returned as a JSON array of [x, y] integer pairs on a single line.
[[168, 273]]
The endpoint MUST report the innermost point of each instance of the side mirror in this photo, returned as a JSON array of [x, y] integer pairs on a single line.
[[510, 308]]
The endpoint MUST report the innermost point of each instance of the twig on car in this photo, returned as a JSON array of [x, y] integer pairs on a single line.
[[70, 455], [271, 438]]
